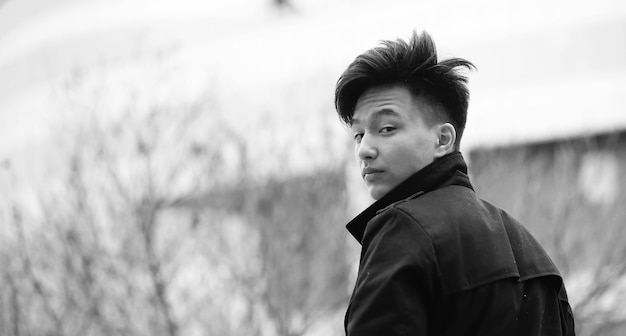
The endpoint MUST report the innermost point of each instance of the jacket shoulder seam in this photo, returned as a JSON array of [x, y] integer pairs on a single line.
[[394, 204]]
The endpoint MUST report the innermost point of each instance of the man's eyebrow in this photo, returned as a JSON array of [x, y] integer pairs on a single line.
[[376, 115]]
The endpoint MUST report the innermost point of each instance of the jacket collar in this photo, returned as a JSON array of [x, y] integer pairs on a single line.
[[448, 170]]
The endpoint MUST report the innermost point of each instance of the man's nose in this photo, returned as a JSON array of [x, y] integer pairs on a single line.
[[366, 149]]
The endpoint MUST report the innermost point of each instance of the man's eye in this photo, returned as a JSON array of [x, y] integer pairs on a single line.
[[358, 137], [387, 129]]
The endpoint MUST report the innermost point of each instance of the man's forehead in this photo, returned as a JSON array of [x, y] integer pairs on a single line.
[[384, 95], [382, 101]]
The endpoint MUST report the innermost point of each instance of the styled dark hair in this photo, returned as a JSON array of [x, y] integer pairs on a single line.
[[413, 65]]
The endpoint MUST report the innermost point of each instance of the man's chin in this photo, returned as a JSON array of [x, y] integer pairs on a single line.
[[376, 192]]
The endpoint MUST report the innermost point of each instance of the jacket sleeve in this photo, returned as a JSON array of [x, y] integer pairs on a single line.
[[397, 275]]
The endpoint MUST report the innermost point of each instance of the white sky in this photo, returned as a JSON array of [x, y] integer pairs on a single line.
[[41, 44]]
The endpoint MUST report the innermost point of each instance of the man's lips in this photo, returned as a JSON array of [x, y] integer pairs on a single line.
[[369, 172]]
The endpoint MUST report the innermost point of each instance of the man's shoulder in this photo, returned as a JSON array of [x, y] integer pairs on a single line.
[[475, 241]]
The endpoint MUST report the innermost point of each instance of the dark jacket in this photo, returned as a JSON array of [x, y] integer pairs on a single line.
[[437, 260]]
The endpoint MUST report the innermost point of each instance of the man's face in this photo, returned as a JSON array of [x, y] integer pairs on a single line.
[[392, 139]]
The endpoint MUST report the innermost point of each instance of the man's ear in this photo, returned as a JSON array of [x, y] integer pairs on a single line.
[[446, 136]]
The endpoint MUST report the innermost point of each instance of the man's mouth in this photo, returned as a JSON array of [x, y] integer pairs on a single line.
[[370, 174]]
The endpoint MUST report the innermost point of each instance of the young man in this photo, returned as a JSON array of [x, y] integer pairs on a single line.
[[436, 259]]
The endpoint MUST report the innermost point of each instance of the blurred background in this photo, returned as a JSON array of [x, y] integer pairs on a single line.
[[177, 168]]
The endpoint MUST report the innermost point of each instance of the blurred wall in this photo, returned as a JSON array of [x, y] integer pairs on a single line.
[[570, 194]]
